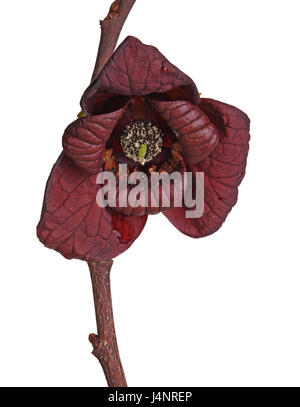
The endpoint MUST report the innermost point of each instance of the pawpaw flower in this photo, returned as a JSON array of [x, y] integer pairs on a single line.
[[143, 111]]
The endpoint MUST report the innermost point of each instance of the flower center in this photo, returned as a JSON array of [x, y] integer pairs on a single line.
[[141, 141]]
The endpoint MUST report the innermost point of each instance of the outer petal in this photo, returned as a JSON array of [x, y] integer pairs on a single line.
[[197, 135], [223, 170], [84, 139], [73, 224], [136, 69]]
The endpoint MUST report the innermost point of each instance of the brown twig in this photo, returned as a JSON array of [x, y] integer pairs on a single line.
[[105, 343], [111, 27]]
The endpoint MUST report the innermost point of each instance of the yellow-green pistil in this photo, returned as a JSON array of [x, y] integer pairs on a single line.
[[142, 152]]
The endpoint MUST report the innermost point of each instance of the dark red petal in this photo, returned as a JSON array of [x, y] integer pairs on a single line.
[[197, 135], [73, 224], [153, 196], [123, 226], [223, 170], [84, 140], [136, 69]]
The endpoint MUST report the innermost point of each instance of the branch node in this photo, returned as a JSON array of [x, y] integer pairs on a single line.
[[111, 27], [94, 339], [113, 11]]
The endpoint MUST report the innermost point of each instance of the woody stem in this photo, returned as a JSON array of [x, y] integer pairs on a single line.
[[111, 27], [105, 342]]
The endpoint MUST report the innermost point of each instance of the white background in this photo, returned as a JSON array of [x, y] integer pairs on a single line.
[[219, 311]]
